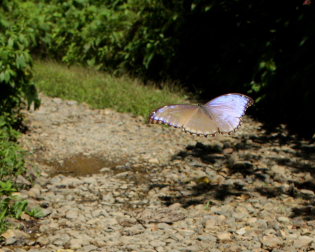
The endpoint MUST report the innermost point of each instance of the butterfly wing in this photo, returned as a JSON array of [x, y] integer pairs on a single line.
[[222, 114], [201, 123], [174, 115], [191, 118], [227, 110]]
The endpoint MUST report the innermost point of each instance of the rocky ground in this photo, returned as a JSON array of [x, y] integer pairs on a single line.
[[108, 181]]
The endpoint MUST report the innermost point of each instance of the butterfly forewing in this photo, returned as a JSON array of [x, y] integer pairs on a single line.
[[174, 115]]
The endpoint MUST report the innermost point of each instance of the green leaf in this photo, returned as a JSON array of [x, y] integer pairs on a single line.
[[20, 61], [19, 208]]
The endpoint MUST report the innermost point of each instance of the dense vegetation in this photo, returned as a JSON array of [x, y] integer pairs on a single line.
[[16, 92]]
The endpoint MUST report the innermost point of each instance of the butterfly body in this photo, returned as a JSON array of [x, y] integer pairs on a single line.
[[220, 115]]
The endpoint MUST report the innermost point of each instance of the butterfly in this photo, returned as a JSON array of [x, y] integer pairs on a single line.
[[222, 114]]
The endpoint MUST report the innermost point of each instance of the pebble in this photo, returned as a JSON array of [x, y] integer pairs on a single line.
[[16, 237], [75, 243], [224, 236], [89, 248], [35, 191], [241, 231], [262, 224], [251, 220], [22, 180], [303, 241], [153, 161], [72, 214], [271, 241], [214, 220], [156, 243], [207, 237], [283, 219], [134, 230], [43, 240], [307, 192]]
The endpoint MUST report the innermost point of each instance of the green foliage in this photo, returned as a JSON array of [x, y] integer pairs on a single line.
[[77, 31], [110, 35], [151, 43], [11, 164], [11, 155], [13, 206], [15, 73], [15, 89], [35, 212], [9, 205], [6, 188]]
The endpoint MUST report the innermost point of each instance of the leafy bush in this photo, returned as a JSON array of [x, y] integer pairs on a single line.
[[99, 40], [15, 74], [77, 31], [16, 91]]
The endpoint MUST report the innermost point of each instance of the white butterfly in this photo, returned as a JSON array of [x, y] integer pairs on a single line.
[[220, 115]]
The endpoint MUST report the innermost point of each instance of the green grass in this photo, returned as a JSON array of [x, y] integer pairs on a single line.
[[101, 90]]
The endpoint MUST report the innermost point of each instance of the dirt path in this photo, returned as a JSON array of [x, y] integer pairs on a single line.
[[110, 182]]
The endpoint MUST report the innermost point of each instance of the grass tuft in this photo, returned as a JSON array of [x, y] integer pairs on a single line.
[[102, 90]]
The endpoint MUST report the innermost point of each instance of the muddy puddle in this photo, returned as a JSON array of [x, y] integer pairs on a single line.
[[81, 165]]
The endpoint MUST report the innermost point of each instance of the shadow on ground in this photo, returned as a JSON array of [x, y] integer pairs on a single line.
[[244, 161]]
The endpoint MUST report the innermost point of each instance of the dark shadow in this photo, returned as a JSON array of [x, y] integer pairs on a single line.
[[203, 192], [275, 135], [218, 192], [159, 186], [247, 167], [303, 149], [308, 185], [214, 154], [272, 192], [298, 158], [184, 201], [307, 212], [206, 153]]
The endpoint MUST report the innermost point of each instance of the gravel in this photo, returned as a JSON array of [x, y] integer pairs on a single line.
[[110, 182]]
